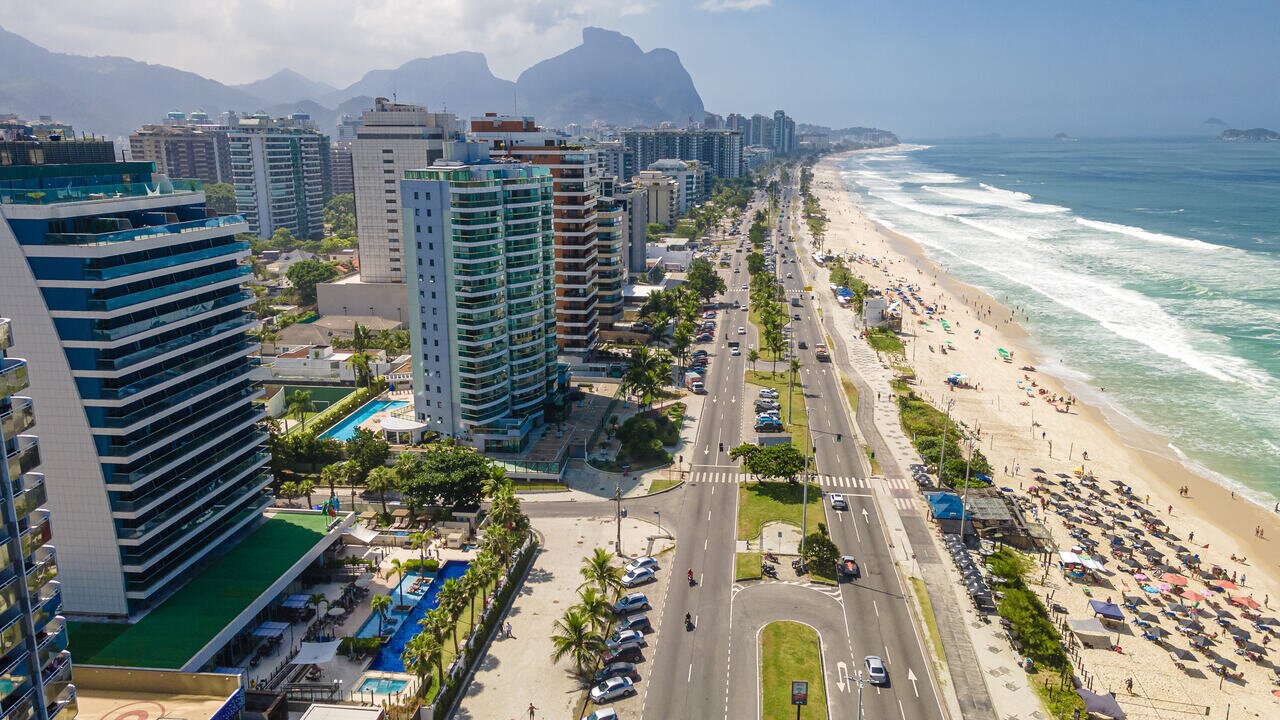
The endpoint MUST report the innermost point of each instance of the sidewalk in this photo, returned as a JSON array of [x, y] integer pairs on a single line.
[[517, 671]]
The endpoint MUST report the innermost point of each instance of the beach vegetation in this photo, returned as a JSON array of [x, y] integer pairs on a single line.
[[842, 276], [882, 339], [924, 424]]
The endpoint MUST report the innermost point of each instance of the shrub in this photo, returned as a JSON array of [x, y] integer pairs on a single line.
[[428, 565], [643, 437], [329, 417], [366, 646]]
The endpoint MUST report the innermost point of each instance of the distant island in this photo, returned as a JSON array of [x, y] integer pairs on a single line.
[[1254, 135], [1063, 137]]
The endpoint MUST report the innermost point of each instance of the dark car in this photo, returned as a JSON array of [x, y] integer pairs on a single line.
[[635, 622], [847, 568], [802, 345], [629, 652], [618, 669]]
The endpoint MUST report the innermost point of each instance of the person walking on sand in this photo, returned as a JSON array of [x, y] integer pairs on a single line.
[[532, 711]]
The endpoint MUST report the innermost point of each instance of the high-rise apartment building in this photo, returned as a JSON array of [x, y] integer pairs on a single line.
[[614, 242], [280, 169], [719, 151], [613, 160], [737, 123], [36, 684], [783, 138], [392, 138], [348, 126], [576, 177], [41, 143], [482, 291], [662, 197], [135, 323], [691, 178], [184, 151], [712, 121], [342, 180]]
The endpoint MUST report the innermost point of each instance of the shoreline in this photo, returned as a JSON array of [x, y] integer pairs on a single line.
[[1120, 447]]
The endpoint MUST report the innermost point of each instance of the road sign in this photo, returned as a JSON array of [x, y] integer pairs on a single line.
[[799, 692]]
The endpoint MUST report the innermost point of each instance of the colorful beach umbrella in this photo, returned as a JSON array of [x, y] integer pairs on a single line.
[[1149, 589], [1139, 576], [1224, 584], [1192, 595], [1245, 601], [1174, 579]]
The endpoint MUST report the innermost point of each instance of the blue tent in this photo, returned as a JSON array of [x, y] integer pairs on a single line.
[[945, 505], [1110, 611]]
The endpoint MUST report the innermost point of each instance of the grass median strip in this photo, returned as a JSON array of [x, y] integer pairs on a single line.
[[746, 566], [765, 502], [930, 621], [790, 651], [659, 484], [797, 425]]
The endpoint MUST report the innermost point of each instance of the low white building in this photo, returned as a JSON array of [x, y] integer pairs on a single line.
[[320, 362]]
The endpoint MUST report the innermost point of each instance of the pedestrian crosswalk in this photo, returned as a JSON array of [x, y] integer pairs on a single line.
[[826, 481]]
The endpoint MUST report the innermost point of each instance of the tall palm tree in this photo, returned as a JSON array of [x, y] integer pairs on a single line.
[[361, 338], [496, 481], [437, 624], [420, 653], [504, 511], [472, 583], [380, 604], [646, 375], [331, 474], [752, 356], [499, 541], [381, 479], [305, 488], [420, 541], [485, 565], [267, 334], [298, 404], [597, 607], [573, 638], [316, 599], [452, 597], [397, 570], [794, 367], [360, 363], [599, 571]]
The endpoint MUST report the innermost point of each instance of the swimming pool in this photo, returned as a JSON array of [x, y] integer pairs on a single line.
[[383, 686], [388, 657], [346, 428]]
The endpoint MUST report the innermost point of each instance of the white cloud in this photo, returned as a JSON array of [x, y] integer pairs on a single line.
[[727, 5], [237, 41]]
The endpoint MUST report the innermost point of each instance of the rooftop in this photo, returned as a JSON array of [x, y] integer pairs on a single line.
[[341, 712], [112, 693], [181, 626]]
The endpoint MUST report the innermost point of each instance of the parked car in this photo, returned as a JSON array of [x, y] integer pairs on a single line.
[[802, 345], [629, 652], [768, 427], [638, 622], [618, 669], [838, 502], [621, 637], [876, 672], [648, 561], [769, 393], [639, 576], [603, 714], [763, 405], [630, 603], [612, 689]]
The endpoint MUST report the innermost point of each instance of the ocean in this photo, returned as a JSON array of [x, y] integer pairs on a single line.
[[1150, 268]]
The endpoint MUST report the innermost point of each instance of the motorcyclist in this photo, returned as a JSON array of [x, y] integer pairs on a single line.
[[690, 573], [688, 620]]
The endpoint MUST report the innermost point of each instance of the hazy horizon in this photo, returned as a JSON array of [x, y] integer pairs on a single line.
[[934, 70]]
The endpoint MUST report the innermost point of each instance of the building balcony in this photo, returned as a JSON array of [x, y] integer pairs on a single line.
[[19, 418], [25, 456], [144, 233], [13, 376], [89, 193], [167, 290]]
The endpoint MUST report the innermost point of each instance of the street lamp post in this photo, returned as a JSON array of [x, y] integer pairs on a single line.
[[659, 514], [964, 503], [857, 680], [804, 488]]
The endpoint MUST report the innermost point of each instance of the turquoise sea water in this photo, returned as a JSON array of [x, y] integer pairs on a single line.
[[1150, 268]]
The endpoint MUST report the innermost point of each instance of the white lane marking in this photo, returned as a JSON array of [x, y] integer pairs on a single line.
[[875, 607], [708, 515], [904, 712], [704, 544], [887, 658], [700, 578], [689, 676]]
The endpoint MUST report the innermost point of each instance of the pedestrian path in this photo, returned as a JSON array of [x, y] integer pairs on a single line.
[[826, 481]]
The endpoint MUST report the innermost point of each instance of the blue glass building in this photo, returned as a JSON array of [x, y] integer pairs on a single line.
[[35, 666], [129, 292]]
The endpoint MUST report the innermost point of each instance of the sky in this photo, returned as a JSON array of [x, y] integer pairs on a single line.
[[923, 68]]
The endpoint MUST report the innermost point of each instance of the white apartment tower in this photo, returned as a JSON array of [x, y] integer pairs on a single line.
[[391, 139]]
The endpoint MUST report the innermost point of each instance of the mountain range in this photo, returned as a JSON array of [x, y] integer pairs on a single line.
[[608, 77]]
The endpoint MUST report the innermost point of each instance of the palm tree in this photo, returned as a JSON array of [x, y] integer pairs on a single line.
[[752, 357], [646, 375], [298, 404], [451, 598], [361, 338], [380, 604], [486, 567], [420, 541], [360, 364], [795, 368], [397, 569], [331, 474], [496, 481], [267, 334], [659, 324], [437, 624], [316, 600], [472, 583], [574, 639], [381, 479], [597, 607], [504, 511], [499, 541], [598, 570], [288, 491], [420, 653], [305, 488]]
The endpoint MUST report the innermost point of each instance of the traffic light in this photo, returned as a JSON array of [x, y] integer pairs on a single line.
[[838, 436]]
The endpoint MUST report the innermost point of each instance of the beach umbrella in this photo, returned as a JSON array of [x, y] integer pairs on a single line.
[[1224, 584], [1192, 595], [1239, 632], [1245, 601], [1149, 589], [1174, 579], [1139, 576]]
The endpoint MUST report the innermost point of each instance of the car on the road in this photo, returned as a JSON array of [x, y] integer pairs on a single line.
[[639, 576], [648, 561], [802, 345], [618, 669], [788, 276], [877, 674], [769, 393], [627, 652], [735, 352], [603, 714], [638, 622], [838, 502], [847, 567], [795, 316], [621, 637], [742, 330], [612, 689], [737, 270], [630, 603]]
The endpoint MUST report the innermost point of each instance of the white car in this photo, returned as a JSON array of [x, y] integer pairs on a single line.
[[838, 502], [603, 714], [612, 689], [876, 672], [648, 561], [769, 393], [639, 576], [735, 352], [626, 636], [742, 330]]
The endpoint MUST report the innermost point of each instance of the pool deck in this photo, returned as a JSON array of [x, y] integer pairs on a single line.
[[371, 423]]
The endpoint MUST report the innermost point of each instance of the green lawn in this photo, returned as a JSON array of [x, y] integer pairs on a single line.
[[886, 341], [871, 457], [659, 484], [764, 502], [922, 595], [746, 566], [790, 651], [176, 630], [798, 424], [850, 391]]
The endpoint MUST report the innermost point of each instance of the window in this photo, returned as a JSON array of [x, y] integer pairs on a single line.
[[418, 229], [387, 161], [415, 212], [428, 212], [433, 262], [387, 151], [433, 294], [437, 343]]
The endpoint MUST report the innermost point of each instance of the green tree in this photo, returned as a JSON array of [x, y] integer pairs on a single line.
[[472, 583], [505, 512], [598, 571], [597, 607], [283, 239], [452, 597], [572, 638], [755, 263], [331, 474], [367, 450], [220, 198], [819, 551], [654, 229], [360, 363], [380, 604], [703, 279], [753, 356], [420, 654], [306, 274], [305, 488], [298, 404], [448, 475], [646, 375], [770, 462], [380, 480]]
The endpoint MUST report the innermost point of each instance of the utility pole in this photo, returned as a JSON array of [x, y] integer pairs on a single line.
[[617, 499], [804, 488], [943, 457], [858, 680], [964, 503]]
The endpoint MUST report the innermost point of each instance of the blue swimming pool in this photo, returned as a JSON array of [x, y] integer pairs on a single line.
[[388, 657], [346, 428], [383, 686]]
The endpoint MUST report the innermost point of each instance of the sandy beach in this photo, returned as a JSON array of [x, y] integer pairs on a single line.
[[1021, 430]]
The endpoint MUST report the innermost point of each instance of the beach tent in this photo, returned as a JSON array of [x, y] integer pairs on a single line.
[[1108, 610], [945, 506], [1101, 705], [1091, 633]]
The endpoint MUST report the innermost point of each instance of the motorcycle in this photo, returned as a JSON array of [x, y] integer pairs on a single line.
[[692, 582], [771, 557], [768, 571], [688, 622]]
